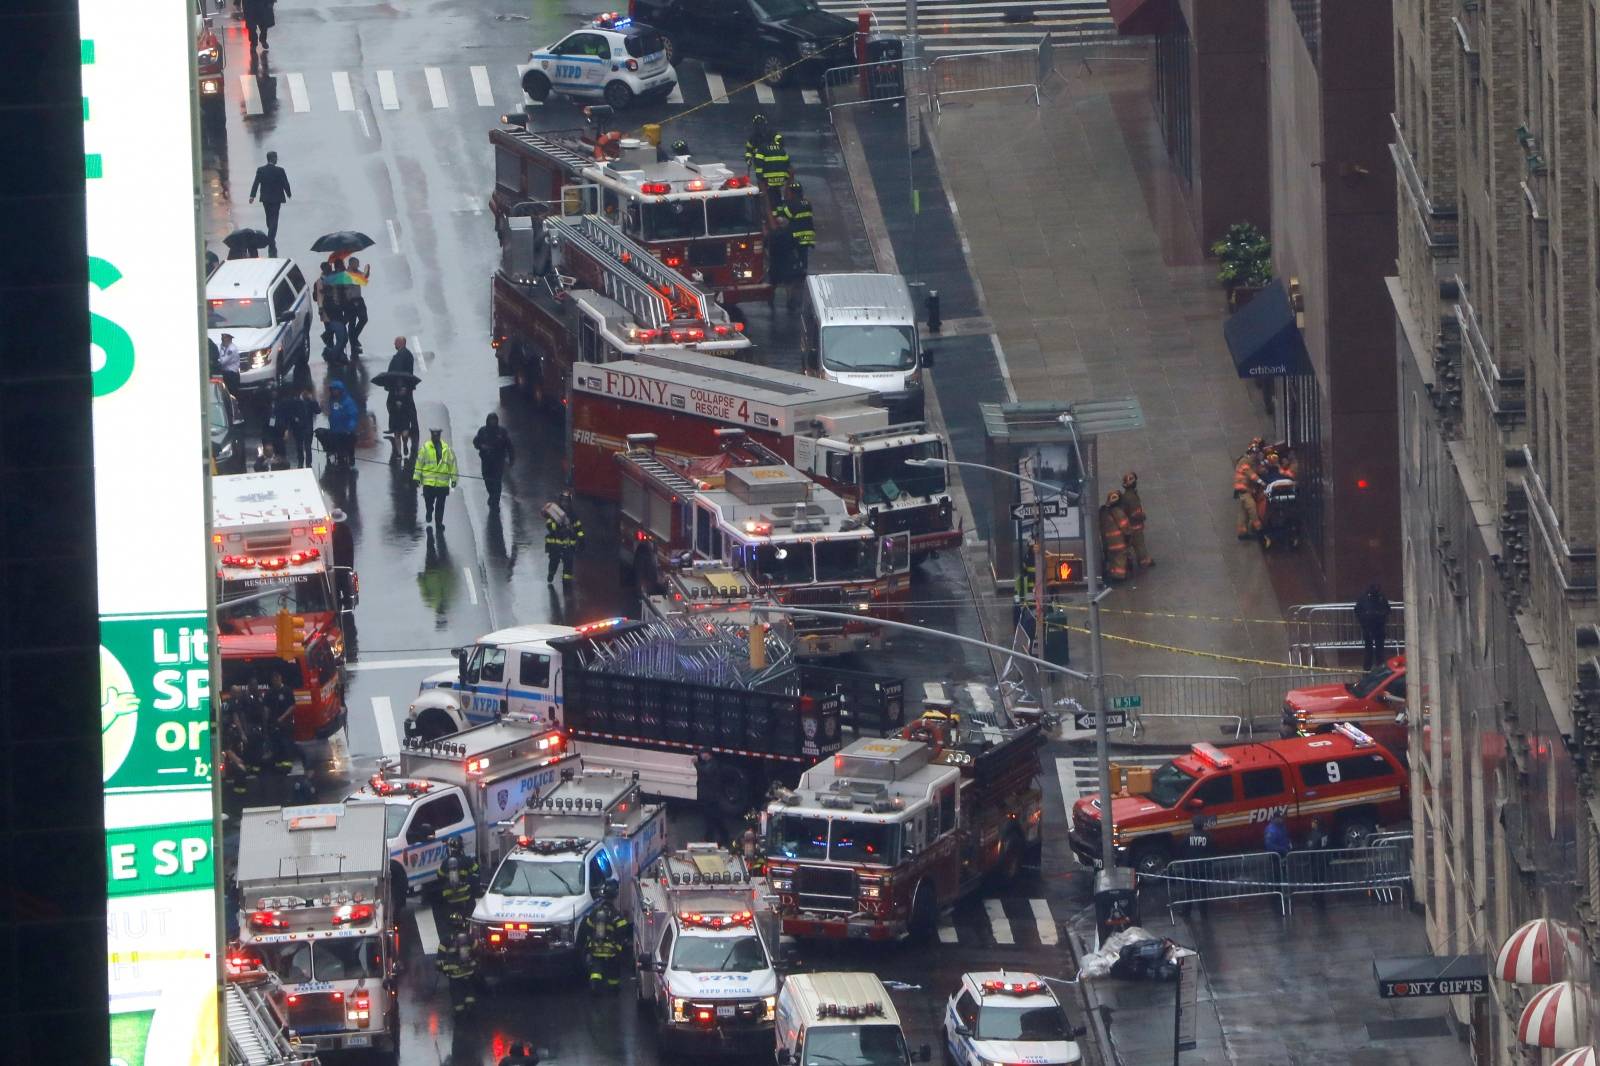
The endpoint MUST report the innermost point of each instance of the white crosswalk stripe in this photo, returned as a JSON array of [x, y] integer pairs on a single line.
[[810, 96], [297, 92], [1044, 921], [976, 25], [947, 931], [341, 91], [764, 93], [676, 95], [427, 931], [383, 719], [436, 91], [999, 924], [252, 94], [480, 87], [719, 92], [387, 95]]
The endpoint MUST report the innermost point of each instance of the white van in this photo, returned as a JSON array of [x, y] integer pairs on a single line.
[[266, 305], [828, 1018], [861, 329]]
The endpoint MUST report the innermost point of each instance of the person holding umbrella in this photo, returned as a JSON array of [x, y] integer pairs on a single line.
[[245, 243], [402, 407], [357, 302]]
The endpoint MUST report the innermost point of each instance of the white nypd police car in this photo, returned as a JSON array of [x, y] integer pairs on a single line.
[[610, 59], [1001, 1019]]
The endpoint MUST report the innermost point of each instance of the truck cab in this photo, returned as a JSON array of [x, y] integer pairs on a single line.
[[861, 329], [512, 670], [589, 828], [1375, 702], [828, 1018], [704, 944]]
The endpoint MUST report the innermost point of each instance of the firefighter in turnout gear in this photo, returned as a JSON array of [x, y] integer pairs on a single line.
[[459, 874], [460, 967], [773, 167], [1027, 576], [802, 226], [1246, 486], [760, 136], [1134, 509], [1114, 537], [605, 931], [563, 536]]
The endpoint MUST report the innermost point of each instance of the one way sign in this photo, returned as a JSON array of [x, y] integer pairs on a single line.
[[1086, 719], [1054, 507]]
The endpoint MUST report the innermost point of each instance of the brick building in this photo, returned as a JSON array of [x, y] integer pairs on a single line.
[[1495, 138]]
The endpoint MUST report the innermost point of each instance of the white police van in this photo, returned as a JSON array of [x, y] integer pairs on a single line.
[[1008, 1017], [610, 59]]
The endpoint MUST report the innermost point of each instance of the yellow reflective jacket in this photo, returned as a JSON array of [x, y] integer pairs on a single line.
[[436, 467]]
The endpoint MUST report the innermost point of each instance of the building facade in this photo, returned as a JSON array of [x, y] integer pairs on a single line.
[[1494, 135]]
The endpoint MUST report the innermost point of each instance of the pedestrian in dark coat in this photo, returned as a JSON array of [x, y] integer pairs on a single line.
[[302, 421], [258, 19], [402, 406], [495, 455], [1372, 614], [783, 263], [272, 186], [709, 782], [402, 362]]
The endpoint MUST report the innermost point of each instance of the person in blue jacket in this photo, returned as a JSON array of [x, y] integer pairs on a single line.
[[343, 419]]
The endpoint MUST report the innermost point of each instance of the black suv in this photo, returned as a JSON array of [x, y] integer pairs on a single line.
[[774, 38]]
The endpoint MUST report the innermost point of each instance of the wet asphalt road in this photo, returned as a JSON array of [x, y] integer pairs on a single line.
[[380, 113]]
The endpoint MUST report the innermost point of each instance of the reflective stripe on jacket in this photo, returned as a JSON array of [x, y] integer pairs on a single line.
[[436, 466]]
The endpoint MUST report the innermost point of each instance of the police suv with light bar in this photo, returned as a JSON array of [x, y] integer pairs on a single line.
[[611, 59], [703, 943], [589, 828], [998, 1018]]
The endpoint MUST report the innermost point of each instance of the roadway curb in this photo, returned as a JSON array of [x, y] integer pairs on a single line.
[[1094, 1012]]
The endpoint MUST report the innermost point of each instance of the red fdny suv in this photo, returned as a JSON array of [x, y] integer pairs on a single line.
[[1376, 703]]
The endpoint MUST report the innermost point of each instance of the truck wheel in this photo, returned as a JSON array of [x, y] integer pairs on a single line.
[[536, 85], [433, 724], [671, 48], [771, 67], [1152, 858], [924, 921], [399, 885], [619, 96], [1355, 828]]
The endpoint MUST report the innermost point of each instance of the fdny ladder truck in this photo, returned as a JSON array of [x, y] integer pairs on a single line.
[[709, 539], [580, 290], [700, 217], [876, 841]]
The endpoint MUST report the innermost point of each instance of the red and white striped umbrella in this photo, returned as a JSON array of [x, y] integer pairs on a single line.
[[1538, 953], [1554, 1017], [1584, 1056]]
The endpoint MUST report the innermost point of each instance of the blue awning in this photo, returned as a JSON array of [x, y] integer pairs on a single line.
[[1263, 337]]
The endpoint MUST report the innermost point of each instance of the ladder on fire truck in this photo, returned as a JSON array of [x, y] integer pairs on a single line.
[[670, 479], [627, 265], [574, 160]]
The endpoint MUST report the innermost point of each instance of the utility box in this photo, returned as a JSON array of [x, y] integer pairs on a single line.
[[1116, 901]]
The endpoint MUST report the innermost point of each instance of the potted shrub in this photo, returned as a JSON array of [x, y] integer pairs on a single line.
[[1246, 263]]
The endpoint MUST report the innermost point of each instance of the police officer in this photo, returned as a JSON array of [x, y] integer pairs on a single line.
[[459, 873], [460, 967], [1198, 846], [604, 928], [802, 226], [563, 536], [436, 473]]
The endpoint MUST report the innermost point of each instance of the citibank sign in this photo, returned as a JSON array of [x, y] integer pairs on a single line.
[[1269, 371]]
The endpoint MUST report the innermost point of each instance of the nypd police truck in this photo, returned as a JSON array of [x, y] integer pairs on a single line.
[[591, 827], [704, 943], [460, 785], [315, 911]]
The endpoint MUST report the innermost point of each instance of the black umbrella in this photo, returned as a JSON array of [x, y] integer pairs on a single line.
[[342, 242], [394, 379], [247, 239]]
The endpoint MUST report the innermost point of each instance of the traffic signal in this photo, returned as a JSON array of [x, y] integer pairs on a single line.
[[291, 634], [1064, 570]]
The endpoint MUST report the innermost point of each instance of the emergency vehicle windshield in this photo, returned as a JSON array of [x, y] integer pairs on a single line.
[[1022, 1023], [1168, 784], [253, 597], [708, 954], [518, 878], [394, 819], [886, 476], [807, 837], [783, 563], [238, 314], [846, 560], [674, 220], [854, 1045], [340, 959], [865, 349], [1366, 685], [730, 216]]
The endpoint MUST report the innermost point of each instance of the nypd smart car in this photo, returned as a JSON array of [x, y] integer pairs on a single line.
[[1006, 1018], [610, 59]]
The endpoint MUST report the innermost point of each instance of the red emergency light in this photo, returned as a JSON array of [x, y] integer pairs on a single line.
[[697, 185], [604, 623], [716, 921], [655, 188], [1014, 988], [740, 182], [360, 1009], [267, 920], [553, 741], [643, 335], [478, 765], [703, 1015], [353, 914], [1210, 753], [681, 335], [673, 261]]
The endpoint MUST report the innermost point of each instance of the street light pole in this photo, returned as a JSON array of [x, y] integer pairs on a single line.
[[1102, 738]]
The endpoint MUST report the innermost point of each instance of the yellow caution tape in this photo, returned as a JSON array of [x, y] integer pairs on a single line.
[[731, 93], [1216, 656]]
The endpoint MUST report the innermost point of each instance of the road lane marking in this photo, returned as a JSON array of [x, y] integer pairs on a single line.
[[297, 92], [764, 93], [341, 91], [472, 586], [999, 924], [1047, 924], [252, 94], [810, 96], [388, 736], [386, 94], [427, 932], [947, 931], [398, 664], [676, 95], [436, 91], [1069, 786], [719, 92], [394, 236], [481, 88], [361, 116]]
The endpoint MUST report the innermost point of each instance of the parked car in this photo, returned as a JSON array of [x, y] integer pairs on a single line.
[[776, 39]]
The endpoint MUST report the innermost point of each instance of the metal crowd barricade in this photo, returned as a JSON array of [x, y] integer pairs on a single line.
[[1256, 873], [864, 83], [1384, 872], [977, 72], [1328, 629], [1200, 696]]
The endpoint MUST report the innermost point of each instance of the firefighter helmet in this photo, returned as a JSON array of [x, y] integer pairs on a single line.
[[1113, 498], [1130, 479], [1257, 443], [794, 187], [609, 889], [680, 147], [454, 846]]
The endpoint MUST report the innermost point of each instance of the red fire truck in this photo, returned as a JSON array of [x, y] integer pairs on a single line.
[[698, 217], [691, 406], [579, 290], [877, 840], [720, 539]]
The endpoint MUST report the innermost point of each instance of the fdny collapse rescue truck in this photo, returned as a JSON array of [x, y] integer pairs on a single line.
[[316, 913], [591, 827], [835, 434], [460, 784], [875, 842], [613, 687], [709, 539], [698, 217], [704, 942], [580, 290], [272, 536]]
